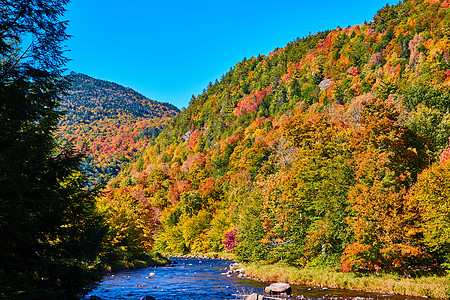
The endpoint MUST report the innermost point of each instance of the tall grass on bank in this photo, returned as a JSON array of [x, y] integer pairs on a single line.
[[213, 255], [221, 255], [435, 287]]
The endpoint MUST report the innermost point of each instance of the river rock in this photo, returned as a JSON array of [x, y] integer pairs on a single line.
[[278, 288], [148, 298], [255, 296], [94, 298]]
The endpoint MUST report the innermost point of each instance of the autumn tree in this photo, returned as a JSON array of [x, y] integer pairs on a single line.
[[131, 222], [387, 157], [430, 194], [304, 203]]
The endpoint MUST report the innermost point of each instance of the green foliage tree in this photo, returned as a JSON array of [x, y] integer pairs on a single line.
[[251, 231], [430, 194], [305, 204], [430, 96], [431, 124], [50, 234]]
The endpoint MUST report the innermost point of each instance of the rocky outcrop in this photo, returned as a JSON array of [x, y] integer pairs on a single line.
[[324, 84]]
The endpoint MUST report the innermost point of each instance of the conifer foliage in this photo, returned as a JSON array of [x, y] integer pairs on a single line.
[[50, 235]]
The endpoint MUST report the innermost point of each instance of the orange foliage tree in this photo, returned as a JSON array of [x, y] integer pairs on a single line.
[[387, 158]]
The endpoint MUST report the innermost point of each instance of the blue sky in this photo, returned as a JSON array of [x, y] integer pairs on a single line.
[[170, 50]]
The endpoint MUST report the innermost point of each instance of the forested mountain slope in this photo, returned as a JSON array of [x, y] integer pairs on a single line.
[[322, 152], [115, 122]]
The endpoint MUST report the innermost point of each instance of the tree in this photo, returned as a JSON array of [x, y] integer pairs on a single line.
[[50, 234], [432, 124], [131, 221], [297, 214], [430, 194], [387, 158], [310, 199]]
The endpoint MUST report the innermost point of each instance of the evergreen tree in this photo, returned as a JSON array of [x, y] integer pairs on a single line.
[[50, 235]]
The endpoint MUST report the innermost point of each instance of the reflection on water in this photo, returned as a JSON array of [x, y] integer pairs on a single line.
[[204, 279]]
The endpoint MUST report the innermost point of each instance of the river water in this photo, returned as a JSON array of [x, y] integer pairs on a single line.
[[205, 279]]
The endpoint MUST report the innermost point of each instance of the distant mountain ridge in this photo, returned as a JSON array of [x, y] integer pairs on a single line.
[[107, 98], [114, 121]]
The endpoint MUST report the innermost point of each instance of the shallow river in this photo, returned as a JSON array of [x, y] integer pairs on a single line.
[[204, 279]]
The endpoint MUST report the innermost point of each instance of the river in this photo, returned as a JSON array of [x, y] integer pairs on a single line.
[[205, 279]]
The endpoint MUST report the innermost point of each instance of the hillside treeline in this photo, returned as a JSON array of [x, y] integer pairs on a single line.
[[330, 151], [111, 122]]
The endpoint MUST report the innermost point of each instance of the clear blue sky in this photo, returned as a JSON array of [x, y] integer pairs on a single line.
[[170, 50]]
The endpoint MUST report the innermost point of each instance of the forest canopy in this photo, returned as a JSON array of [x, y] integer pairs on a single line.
[[318, 154]]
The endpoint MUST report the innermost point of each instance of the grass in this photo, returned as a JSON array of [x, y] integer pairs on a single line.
[[223, 255], [218, 255], [435, 287]]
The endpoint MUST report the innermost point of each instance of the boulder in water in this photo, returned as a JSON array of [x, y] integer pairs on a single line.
[[148, 298], [255, 296], [278, 288]]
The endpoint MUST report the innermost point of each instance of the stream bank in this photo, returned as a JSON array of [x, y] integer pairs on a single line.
[[426, 287]]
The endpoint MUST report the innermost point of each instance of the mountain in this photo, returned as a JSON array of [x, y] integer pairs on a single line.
[[320, 153], [114, 122]]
